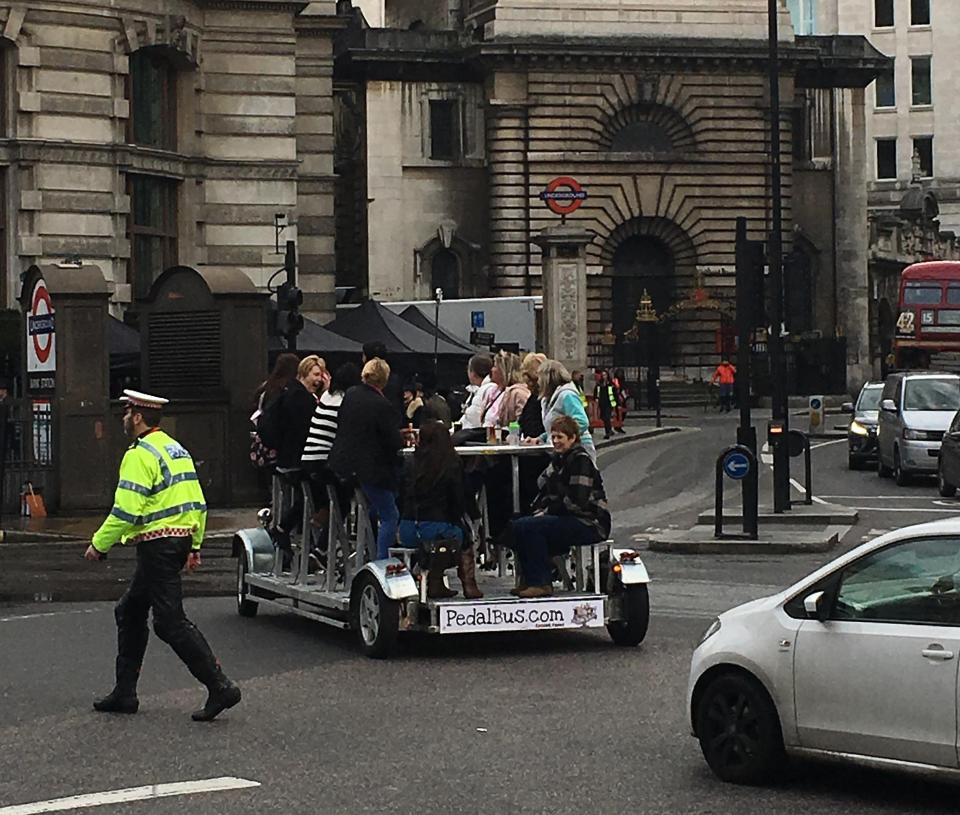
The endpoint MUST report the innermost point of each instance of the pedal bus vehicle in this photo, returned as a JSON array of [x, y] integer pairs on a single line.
[[348, 588]]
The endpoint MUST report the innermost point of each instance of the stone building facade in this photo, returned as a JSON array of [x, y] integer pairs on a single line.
[[156, 133], [659, 109]]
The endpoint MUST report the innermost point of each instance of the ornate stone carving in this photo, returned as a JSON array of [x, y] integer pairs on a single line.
[[569, 325]]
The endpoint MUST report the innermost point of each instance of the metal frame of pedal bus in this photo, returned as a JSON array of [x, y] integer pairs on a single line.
[[379, 599]]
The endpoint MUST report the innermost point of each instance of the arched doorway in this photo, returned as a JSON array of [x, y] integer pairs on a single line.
[[445, 274], [641, 263]]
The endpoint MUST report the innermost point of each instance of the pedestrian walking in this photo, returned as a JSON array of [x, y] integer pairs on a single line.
[[159, 506], [726, 375], [620, 384], [605, 395]]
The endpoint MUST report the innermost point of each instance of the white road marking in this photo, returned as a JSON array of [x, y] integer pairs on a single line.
[[887, 509], [827, 443], [97, 799], [901, 497], [39, 615], [800, 488]]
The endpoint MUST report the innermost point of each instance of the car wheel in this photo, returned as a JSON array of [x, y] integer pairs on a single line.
[[899, 474], [633, 628], [245, 606], [376, 618], [854, 463], [739, 731], [946, 489]]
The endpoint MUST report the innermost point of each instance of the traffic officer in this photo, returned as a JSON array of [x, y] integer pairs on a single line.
[[160, 507]]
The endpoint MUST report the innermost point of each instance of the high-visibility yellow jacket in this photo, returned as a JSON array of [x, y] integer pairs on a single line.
[[158, 495]]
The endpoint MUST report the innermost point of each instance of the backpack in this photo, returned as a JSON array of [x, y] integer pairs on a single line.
[[270, 423]]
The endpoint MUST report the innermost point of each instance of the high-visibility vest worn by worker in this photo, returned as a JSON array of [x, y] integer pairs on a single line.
[[158, 495]]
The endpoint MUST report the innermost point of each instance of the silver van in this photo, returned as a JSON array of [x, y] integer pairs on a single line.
[[915, 411]]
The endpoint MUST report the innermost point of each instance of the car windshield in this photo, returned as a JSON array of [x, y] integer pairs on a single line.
[[870, 398], [932, 394]]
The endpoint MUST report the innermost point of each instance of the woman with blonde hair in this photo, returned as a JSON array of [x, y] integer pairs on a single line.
[[514, 392], [560, 397], [531, 417], [367, 449]]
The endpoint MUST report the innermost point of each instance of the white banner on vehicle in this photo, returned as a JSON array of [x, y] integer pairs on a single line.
[[463, 618]]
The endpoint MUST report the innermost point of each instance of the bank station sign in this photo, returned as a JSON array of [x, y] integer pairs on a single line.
[[41, 340]]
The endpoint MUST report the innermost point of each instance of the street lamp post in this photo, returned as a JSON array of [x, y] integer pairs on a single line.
[[437, 300], [780, 423]]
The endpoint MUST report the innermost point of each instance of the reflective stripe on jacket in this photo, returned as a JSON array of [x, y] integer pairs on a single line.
[[158, 491]]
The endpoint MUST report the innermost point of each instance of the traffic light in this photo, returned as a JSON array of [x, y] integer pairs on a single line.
[[289, 318], [751, 265]]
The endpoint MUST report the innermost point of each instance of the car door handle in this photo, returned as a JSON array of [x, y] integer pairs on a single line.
[[937, 652]]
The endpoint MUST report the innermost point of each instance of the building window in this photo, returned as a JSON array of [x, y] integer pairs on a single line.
[[803, 13], [153, 99], [923, 156], [153, 229], [883, 13], [444, 129], [921, 81], [887, 88], [919, 12], [886, 159], [445, 274]]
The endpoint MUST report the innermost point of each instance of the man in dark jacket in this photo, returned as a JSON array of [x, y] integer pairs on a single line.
[[367, 449]]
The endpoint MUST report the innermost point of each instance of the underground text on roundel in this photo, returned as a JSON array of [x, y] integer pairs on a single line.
[[579, 613]]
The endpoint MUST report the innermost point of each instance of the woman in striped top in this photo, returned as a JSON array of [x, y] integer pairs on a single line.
[[323, 424]]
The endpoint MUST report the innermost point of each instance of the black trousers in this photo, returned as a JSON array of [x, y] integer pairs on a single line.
[[156, 585]]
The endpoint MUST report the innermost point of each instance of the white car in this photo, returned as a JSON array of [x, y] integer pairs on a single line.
[[856, 661]]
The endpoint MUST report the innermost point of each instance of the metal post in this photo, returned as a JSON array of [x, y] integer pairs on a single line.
[[290, 266], [781, 455], [746, 433], [437, 299]]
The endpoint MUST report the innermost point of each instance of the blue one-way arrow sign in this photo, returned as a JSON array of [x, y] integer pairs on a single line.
[[736, 465]]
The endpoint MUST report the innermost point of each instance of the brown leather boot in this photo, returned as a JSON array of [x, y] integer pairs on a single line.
[[436, 588], [467, 572]]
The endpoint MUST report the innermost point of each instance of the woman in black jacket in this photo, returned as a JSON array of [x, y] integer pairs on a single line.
[[434, 503], [367, 449]]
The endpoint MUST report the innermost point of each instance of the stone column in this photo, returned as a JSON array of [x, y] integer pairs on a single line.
[[506, 119], [564, 251], [315, 177], [852, 235]]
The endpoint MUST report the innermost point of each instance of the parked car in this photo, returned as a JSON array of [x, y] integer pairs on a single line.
[[862, 432], [857, 661], [948, 465], [915, 411]]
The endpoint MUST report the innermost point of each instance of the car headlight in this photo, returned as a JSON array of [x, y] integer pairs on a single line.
[[858, 429], [919, 435], [713, 629]]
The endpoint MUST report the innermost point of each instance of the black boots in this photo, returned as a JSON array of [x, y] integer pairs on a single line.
[[123, 697], [118, 701], [224, 694]]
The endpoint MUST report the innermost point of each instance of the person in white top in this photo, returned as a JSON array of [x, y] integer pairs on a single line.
[[478, 372]]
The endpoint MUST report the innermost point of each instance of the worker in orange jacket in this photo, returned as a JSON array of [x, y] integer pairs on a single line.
[[726, 375]]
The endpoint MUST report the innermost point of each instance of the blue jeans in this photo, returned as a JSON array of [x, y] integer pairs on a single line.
[[383, 507], [542, 537], [429, 530]]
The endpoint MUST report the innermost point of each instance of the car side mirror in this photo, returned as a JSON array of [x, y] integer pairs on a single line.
[[816, 606], [888, 406], [847, 407]]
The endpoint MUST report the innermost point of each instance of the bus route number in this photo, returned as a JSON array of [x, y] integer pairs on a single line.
[[906, 325]]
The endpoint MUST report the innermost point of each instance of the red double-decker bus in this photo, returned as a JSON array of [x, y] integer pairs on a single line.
[[928, 321]]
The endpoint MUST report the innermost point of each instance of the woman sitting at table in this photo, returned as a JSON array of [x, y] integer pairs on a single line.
[[434, 505], [570, 510]]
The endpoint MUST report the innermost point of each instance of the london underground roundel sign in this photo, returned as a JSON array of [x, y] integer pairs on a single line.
[[41, 334], [564, 195]]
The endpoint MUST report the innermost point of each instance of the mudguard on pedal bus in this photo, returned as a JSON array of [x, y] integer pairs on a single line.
[[393, 576], [258, 546], [632, 570]]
